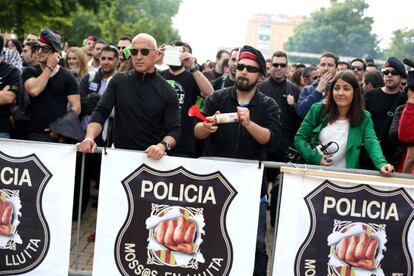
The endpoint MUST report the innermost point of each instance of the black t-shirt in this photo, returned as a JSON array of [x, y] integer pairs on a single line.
[[52, 102], [146, 110], [9, 75], [187, 91], [382, 107]]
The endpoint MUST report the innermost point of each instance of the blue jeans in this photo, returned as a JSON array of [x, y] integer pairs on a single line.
[[260, 262], [4, 135]]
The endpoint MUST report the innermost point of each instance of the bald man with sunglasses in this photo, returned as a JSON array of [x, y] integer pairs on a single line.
[[146, 106]]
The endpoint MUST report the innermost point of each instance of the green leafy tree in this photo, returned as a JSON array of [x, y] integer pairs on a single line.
[[125, 18], [24, 16], [342, 28], [402, 44], [129, 17]]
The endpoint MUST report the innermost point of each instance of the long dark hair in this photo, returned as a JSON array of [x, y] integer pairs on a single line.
[[356, 109]]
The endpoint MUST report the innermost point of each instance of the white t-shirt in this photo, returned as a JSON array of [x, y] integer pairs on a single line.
[[336, 132]]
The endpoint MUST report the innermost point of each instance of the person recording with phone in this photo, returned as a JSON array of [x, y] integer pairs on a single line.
[[333, 132], [189, 84]]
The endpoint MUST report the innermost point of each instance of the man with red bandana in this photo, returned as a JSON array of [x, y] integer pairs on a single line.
[[50, 87], [258, 127]]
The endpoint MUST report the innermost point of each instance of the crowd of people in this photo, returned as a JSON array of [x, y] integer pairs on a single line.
[[334, 113]]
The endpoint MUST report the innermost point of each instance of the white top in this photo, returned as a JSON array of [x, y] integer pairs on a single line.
[[91, 68], [336, 132]]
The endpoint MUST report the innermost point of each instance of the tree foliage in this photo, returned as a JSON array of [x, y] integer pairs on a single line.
[[402, 44], [77, 19], [342, 28], [24, 16]]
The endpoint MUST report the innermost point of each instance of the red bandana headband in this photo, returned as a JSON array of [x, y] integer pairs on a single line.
[[248, 55], [43, 40]]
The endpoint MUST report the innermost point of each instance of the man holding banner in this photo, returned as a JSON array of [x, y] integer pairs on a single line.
[[146, 106], [258, 126]]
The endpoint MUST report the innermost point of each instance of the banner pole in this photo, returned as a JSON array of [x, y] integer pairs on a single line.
[[79, 211], [281, 174]]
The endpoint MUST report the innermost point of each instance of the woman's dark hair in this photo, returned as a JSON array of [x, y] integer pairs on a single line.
[[17, 44], [297, 76], [356, 109]]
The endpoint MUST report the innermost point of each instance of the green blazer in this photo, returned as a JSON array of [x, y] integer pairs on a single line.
[[360, 135]]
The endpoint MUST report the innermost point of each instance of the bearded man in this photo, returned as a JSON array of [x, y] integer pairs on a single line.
[[257, 129]]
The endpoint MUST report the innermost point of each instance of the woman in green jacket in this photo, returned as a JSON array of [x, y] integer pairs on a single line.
[[333, 132]]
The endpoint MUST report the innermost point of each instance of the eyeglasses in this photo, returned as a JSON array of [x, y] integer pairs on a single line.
[[249, 68], [403, 83], [120, 48], [44, 48], [357, 68], [386, 72], [281, 65], [143, 51]]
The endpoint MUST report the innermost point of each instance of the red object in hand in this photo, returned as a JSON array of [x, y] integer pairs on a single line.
[[195, 112]]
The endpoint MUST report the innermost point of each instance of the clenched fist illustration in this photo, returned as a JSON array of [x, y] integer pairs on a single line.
[[177, 234], [358, 250], [6, 212]]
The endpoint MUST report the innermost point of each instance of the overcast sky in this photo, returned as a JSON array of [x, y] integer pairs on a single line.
[[208, 25]]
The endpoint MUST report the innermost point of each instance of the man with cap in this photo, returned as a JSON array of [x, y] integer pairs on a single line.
[[381, 103], [258, 127], [50, 87]]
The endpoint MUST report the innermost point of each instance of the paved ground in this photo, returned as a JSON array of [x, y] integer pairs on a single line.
[[86, 248]]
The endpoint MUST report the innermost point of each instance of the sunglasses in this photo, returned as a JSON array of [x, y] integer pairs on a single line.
[[357, 68], [44, 48], [249, 68], [387, 72], [403, 83], [281, 65], [143, 51]]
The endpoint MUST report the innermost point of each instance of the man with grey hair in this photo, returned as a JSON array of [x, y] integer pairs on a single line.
[[146, 106]]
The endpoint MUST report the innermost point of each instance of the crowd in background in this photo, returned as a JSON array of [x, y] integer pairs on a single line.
[[348, 114]]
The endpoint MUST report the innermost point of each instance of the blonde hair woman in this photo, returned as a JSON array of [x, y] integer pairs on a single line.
[[76, 62]]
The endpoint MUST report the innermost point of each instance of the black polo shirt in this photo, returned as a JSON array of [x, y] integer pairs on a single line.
[[233, 140], [146, 110]]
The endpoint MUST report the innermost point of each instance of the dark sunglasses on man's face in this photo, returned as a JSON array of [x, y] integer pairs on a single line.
[[44, 48], [386, 72], [357, 68], [143, 51], [120, 48], [249, 68], [281, 65]]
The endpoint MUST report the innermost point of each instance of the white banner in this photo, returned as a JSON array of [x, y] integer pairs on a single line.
[[176, 216], [342, 226], [36, 194]]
